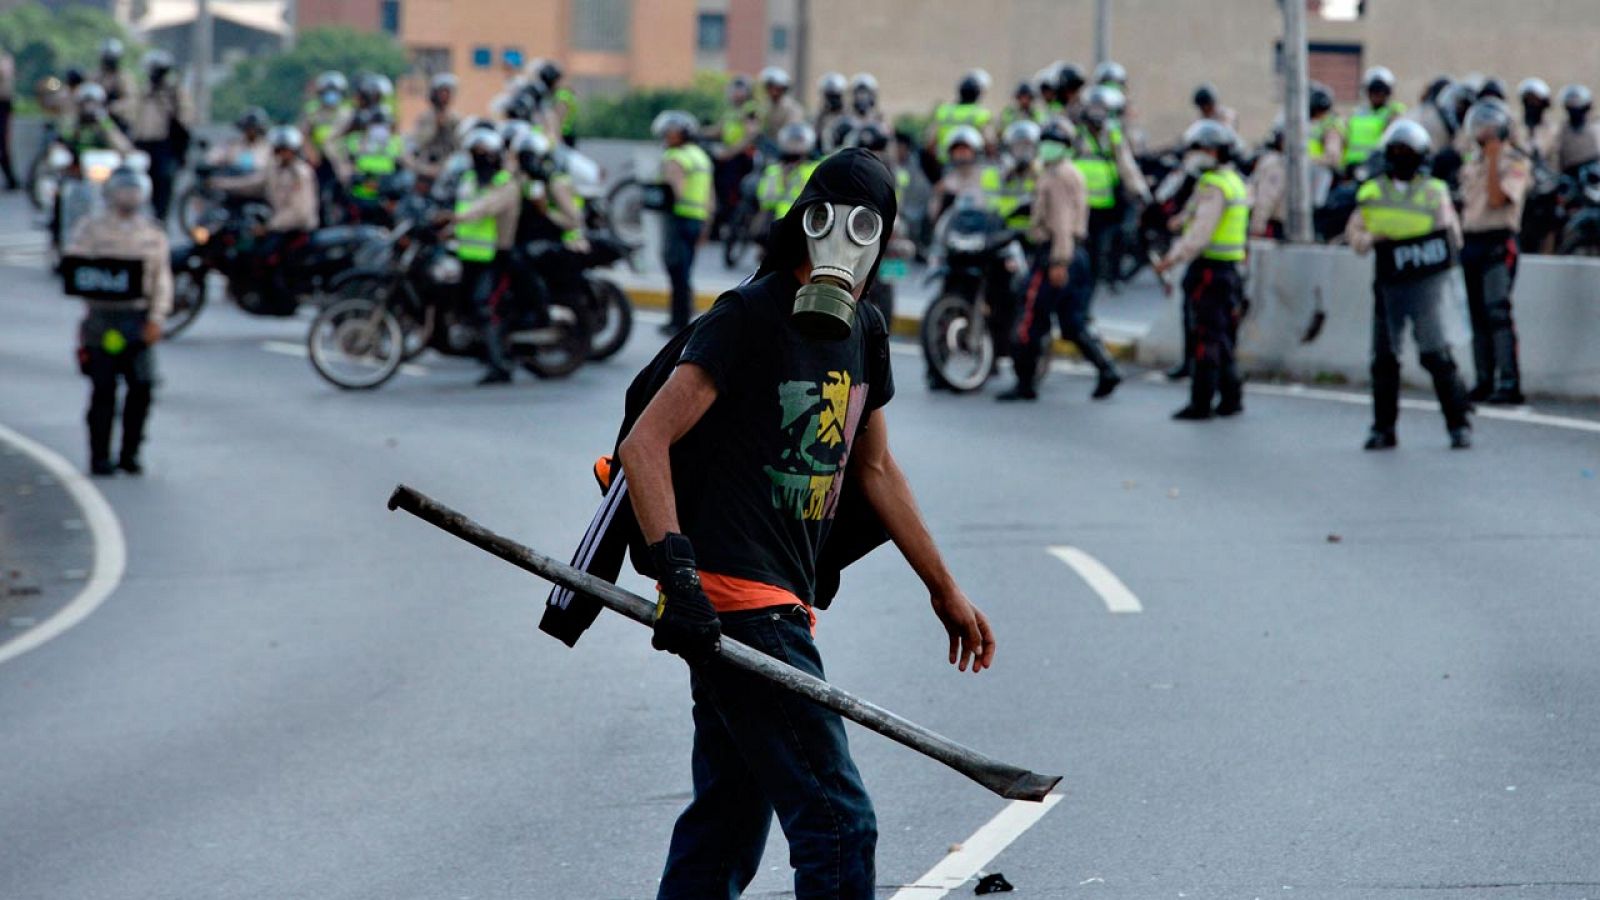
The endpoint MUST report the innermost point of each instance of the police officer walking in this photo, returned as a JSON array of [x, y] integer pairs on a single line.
[[1494, 183], [1216, 228], [686, 170], [1408, 221], [117, 337], [1061, 282]]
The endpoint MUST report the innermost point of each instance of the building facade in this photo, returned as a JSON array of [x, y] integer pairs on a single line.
[[745, 36], [919, 48]]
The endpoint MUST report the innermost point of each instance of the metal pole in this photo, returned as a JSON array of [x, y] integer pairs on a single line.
[[1010, 782], [200, 45], [1102, 31], [802, 49], [291, 17], [1296, 126]]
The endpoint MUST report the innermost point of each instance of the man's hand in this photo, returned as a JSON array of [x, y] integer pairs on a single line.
[[1492, 148], [971, 640], [1058, 275], [152, 332], [686, 623]]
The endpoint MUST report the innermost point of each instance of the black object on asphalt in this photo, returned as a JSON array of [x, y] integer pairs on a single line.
[[994, 883]]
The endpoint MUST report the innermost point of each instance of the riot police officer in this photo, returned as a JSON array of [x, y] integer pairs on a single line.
[[1113, 178], [433, 138], [118, 333], [488, 201], [1407, 219], [1366, 126], [831, 112], [967, 111], [1494, 183], [686, 170], [160, 126], [1216, 228]]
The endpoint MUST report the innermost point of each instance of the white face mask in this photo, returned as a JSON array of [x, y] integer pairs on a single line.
[[842, 242], [378, 135]]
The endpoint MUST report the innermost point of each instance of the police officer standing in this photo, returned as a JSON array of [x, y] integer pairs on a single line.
[[830, 89], [1215, 231], [1494, 183], [291, 191], [433, 139], [779, 108], [1537, 123], [120, 92], [1577, 143], [1111, 175], [686, 170], [117, 337], [1409, 222], [967, 111], [488, 200], [1022, 108], [1365, 128], [1060, 283], [160, 127]]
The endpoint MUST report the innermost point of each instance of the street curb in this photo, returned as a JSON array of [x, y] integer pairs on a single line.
[[1122, 350]]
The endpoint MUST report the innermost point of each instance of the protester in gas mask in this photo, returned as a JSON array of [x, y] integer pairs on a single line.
[[118, 333], [1408, 221], [737, 473]]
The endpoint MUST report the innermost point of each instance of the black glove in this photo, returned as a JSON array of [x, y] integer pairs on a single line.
[[686, 623]]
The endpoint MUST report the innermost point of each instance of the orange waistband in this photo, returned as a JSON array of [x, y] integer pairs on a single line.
[[730, 593]]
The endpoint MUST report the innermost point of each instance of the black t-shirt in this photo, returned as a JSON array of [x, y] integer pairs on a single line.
[[778, 437]]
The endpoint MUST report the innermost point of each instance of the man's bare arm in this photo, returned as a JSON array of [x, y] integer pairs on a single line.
[[886, 488], [644, 453]]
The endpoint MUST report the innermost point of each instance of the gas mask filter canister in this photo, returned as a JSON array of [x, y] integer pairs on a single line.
[[842, 241]]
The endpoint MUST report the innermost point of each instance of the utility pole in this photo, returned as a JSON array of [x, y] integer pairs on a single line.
[[291, 17], [1295, 120], [802, 49], [200, 44], [1102, 31]]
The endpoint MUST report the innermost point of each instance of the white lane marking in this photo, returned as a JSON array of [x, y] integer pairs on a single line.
[[1116, 595], [978, 851], [287, 348], [1520, 414], [110, 552]]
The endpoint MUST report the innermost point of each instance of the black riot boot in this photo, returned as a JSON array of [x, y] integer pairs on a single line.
[[1385, 403], [1452, 398], [1095, 352], [135, 410], [1483, 364], [1230, 389], [1508, 376], [1202, 386], [1025, 363]]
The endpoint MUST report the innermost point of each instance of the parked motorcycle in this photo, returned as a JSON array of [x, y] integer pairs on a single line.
[[1580, 236], [602, 304], [958, 328], [387, 315], [225, 242]]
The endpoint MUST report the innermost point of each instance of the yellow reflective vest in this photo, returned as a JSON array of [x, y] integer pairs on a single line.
[[694, 198], [1228, 240], [477, 240]]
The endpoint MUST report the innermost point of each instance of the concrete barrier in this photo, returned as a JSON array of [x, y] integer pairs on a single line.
[[1557, 306]]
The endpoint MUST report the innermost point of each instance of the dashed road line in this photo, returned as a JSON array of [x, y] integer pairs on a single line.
[[962, 863], [1117, 597], [110, 551]]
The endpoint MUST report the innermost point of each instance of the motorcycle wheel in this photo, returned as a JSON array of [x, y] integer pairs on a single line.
[[738, 241], [42, 183], [356, 344], [610, 320], [188, 298], [625, 207], [560, 356], [956, 344], [371, 284]]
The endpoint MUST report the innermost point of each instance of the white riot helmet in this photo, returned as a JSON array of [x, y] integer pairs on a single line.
[[443, 81], [963, 136], [1409, 134], [127, 189], [1488, 117], [673, 120], [1536, 88], [864, 82], [772, 76], [1209, 134], [981, 76], [1102, 104], [90, 98], [485, 141], [1110, 73], [832, 83], [1378, 76], [513, 130], [796, 139], [1021, 140], [285, 137]]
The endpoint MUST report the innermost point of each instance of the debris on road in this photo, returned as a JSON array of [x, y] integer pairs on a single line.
[[1335, 538], [994, 883]]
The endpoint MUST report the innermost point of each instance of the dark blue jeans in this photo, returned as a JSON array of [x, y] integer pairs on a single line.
[[758, 750], [677, 255]]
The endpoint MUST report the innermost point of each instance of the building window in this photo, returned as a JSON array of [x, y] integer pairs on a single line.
[[780, 38], [430, 61], [389, 16], [482, 57], [602, 25], [712, 32], [511, 57]]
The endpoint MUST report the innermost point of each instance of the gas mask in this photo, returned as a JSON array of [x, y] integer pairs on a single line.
[[842, 241], [484, 166], [1403, 163], [377, 135], [1578, 117]]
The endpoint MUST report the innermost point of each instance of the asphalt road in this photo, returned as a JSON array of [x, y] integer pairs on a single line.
[[1353, 676]]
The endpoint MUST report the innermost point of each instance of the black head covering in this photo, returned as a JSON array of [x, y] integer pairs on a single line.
[[851, 176]]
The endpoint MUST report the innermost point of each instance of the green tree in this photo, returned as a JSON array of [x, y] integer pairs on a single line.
[[629, 115], [278, 83], [47, 43]]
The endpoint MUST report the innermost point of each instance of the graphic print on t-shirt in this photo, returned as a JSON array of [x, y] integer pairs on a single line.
[[819, 423]]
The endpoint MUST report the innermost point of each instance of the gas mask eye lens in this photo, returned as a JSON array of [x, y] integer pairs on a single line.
[[863, 226], [818, 220]]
